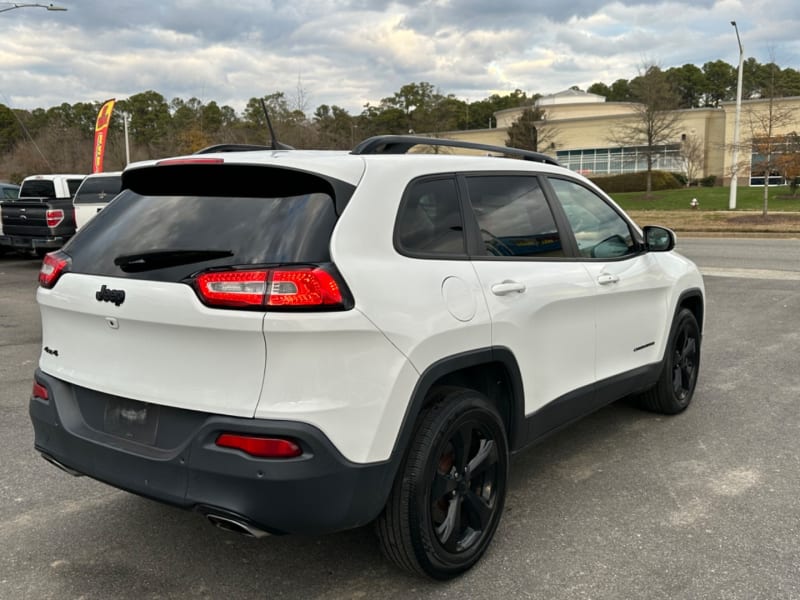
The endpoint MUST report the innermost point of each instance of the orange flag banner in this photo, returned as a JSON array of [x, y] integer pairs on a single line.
[[101, 134]]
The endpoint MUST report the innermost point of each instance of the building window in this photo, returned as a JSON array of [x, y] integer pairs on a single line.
[[613, 161], [780, 155]]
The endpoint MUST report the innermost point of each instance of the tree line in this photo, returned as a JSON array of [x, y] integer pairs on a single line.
[[59, 139]]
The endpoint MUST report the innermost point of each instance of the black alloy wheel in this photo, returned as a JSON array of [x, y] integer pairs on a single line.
[[675, 387], [448, 497]]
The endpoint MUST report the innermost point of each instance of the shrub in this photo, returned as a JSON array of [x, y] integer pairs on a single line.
[[709, 181], [636, 182]]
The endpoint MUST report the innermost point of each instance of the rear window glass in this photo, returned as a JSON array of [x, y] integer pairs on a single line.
[[98, 190], [179, 234], [38, 188]]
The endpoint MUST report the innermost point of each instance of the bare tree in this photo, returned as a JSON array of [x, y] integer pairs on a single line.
[[692, 157], [655, 122], [771, 146]]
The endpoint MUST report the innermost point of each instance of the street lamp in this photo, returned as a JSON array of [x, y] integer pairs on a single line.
[[735, 156], [14, 5]]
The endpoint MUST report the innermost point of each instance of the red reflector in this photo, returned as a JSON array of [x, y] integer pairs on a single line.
[[39, 391], [309, 286], [54, 216], [190, 161], [233, 288], [53, 266], [262, 447]]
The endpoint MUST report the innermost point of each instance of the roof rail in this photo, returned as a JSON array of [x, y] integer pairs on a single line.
[[240, 148], [401, 144]]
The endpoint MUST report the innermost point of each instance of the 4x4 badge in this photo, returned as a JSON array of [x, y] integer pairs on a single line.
[[105, 294]]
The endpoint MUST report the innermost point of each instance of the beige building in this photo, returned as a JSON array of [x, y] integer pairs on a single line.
[[579, 130]]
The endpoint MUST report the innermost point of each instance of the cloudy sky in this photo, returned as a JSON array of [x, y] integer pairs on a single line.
[[350, 52]]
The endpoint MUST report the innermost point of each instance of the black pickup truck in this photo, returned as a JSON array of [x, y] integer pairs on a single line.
[[42, 218]]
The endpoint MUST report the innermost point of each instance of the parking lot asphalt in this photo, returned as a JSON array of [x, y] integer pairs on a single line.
[[623, 504]]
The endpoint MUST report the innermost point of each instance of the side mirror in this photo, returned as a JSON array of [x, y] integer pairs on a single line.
[[659, 239]]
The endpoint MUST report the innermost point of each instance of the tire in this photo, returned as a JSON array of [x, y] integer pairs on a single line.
[[448, 497], [674, 389]]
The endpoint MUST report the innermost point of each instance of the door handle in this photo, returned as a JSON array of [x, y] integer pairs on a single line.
[[606, 278], [508, 287]]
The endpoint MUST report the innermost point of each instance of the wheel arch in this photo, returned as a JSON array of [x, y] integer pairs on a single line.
[[693, 300], [492, 371]]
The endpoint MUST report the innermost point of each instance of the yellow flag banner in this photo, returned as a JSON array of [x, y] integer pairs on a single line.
[[101, 134]]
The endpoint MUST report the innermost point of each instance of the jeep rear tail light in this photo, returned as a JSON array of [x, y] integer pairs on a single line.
[[53, 266], [259, 446], [285, 288], [54, 217]]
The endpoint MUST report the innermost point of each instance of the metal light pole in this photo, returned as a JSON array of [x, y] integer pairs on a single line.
[[125, 118], [735, 156], [14, 5]]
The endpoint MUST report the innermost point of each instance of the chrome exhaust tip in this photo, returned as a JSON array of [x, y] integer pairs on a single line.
[[235, 526]]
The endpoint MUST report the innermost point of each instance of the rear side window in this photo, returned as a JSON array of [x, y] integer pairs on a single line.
[[429, 220], [178, 234], [73, 185], [514, 217], [98, 190]]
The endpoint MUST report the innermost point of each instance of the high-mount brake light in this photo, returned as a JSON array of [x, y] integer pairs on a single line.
[[260, 447], [302, 287], [190, 161], [54, 217], [53, 266]]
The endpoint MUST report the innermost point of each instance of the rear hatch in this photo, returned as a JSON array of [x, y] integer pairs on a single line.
[[126, 317]]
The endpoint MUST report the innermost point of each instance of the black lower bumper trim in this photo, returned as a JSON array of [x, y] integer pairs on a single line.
[[317, 492]]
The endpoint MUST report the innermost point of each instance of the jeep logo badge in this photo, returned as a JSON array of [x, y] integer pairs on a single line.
[[104, 294]]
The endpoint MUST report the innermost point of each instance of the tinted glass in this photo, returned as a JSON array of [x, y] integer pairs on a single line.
[[38, 188], [599, 230], [429, 221], [514, 217], [98, 190], [221, 230], [73, 185], [10, 192]]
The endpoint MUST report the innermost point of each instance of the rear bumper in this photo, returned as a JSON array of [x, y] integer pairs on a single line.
[[317, 492], [33, 243]]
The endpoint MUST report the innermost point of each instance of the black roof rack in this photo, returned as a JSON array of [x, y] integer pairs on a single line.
[[240, 148], [401, 144]]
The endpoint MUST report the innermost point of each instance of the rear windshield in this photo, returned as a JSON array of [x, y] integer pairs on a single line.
[[170, 237], [98, 190], [37, 188]]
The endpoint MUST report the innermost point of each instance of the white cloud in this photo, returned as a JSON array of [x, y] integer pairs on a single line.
[[349, 52]]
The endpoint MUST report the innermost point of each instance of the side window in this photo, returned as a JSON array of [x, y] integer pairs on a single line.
[[514, 217], [73, 185], [429, 220], [599, 230]]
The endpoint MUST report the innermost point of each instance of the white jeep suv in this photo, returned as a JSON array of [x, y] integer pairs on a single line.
[[303, 341]]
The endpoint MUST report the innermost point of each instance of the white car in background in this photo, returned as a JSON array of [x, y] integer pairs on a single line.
[[96, 191]]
